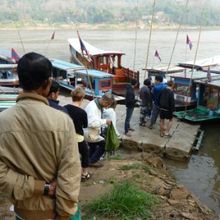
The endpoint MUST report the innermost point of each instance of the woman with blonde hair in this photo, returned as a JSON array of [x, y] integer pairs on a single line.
[[79, 117]]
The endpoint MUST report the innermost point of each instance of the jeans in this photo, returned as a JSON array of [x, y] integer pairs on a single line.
[[144, 112], [129, 112], [154, 114], [96, 150]]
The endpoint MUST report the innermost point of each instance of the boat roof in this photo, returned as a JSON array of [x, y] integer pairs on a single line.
[[6, 53], [64, 65], [199, 64], [164, 69], [214, 82], [94, 73], [7, 66], [195, 75], [78, 69], [93, 51], [213, 69]]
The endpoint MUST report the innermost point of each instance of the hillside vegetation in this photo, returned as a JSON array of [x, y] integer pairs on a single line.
[[110, 11]]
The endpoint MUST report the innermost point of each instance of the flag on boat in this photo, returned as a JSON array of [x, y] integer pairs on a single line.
[[53, 35], [156, 54], [14, 55], [209, 77], [82, 46], [189, 42]]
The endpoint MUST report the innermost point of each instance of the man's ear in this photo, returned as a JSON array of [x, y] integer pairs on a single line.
[[46, 83]]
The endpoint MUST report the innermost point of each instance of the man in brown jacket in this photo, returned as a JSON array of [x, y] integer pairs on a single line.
[[38, 146]]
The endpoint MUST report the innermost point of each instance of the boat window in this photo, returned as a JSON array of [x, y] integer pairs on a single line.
[[182, 89], [105, 83], [61, 74]]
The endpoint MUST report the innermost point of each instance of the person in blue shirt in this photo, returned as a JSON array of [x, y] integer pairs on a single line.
[[158, 87]]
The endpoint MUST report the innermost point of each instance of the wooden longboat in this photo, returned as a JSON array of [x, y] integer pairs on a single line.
[[70, 75], [107, 61]]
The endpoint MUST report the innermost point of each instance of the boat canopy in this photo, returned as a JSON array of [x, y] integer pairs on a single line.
[[199, 64], [93, 51], [64, 65], [163, 69], [194, 76], [78, 69], [94, 73]]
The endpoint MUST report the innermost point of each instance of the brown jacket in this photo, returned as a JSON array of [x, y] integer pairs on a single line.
[[37, 145]]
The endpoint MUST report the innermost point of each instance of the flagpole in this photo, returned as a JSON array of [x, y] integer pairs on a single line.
[[149, 40], [90, 84]]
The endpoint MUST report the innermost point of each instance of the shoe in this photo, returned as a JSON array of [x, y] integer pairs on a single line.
[[85, 176], [97, 164], [142, 124], [150, 126], [131, 129], [128, 134], [168, 135]]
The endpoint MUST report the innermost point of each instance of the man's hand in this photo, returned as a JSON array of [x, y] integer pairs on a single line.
[[52, 189]]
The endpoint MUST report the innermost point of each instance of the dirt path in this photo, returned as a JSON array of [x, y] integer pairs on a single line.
[[176, 201]]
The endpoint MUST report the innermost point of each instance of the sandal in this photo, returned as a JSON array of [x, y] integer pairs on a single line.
[[85, 176], [161, 133]]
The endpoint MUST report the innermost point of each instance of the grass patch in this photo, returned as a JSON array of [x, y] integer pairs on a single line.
[[125, 202], [115, 157], [135, 166]]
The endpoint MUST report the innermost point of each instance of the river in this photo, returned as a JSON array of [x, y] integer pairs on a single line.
[[201, 174]]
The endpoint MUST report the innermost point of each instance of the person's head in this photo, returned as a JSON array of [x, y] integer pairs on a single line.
[[158, 79], [106, 100], [171, 84], [134, 82], [113, 105], [54, 90], [147, 82], [78, 94], [34, 72]]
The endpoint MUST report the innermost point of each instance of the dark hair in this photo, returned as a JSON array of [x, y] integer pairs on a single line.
[[147, 82], [171, 84], [159, 78], [33, 69], [108, 97], [55, 87], [133, 82]]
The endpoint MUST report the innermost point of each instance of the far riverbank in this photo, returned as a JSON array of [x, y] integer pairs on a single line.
[[101, 26]]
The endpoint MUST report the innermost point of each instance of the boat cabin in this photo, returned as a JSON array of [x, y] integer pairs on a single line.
[[208, 101], [107, 61], [70, 75]]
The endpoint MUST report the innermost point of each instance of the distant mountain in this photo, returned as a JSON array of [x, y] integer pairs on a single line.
[[110, 11]]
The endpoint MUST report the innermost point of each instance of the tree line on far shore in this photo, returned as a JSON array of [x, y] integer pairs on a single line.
[[110, 11]]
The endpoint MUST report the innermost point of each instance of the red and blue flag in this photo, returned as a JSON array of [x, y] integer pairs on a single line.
[[156, 54], [14, 55]]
